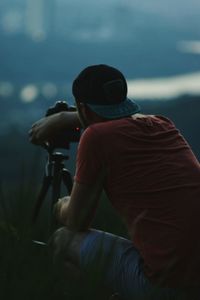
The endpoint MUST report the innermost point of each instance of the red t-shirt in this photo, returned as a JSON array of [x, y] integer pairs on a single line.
[[153, 181]]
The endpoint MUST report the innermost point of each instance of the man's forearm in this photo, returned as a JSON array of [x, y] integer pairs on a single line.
[[69, 120], [77, 210]]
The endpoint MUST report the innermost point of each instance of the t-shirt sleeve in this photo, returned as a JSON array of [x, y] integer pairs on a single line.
[[89, 157]]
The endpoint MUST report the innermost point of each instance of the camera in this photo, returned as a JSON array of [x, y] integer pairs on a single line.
[[67, 136]]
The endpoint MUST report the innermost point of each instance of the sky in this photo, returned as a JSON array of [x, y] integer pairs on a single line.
[[107, 21]]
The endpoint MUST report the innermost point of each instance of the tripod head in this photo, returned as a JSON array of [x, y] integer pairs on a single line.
[[54, 156]]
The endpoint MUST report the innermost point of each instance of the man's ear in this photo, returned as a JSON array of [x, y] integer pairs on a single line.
[[88, 114], [81, 107], [87, 111]]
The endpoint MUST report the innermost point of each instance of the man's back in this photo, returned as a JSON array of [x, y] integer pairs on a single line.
[[153, 181]]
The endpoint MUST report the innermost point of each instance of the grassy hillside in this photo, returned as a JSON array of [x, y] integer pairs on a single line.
[[26, 268]]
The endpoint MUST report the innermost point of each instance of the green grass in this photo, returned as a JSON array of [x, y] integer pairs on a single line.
[[24, 266], [27, 270]]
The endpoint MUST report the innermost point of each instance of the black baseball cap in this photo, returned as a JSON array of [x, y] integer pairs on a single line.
[[104, 89]]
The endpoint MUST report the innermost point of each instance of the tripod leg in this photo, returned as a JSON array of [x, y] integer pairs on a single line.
[[56, 187], [56, 192], [45, 186], [67, 179]]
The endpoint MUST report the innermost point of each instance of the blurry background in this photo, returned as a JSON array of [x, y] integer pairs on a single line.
[[45, 43]]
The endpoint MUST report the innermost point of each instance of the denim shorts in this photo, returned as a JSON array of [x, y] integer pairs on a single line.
[[114, 262]]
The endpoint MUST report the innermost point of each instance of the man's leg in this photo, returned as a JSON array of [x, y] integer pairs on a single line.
[[65, 247], [98, 259]]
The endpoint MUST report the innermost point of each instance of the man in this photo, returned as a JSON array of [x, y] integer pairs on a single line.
[[152, 179]]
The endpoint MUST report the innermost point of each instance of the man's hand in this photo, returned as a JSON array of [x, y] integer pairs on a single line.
[[61, 206], [46, 128]]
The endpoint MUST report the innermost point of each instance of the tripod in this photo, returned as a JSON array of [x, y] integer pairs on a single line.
[[55, 173]]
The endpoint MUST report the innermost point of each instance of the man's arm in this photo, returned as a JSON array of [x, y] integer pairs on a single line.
[[77, 211]]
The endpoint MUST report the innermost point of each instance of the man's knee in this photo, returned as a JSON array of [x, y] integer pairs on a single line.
[[64, 246]]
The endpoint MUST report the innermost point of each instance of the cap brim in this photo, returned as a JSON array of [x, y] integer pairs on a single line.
[[123, 109]]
